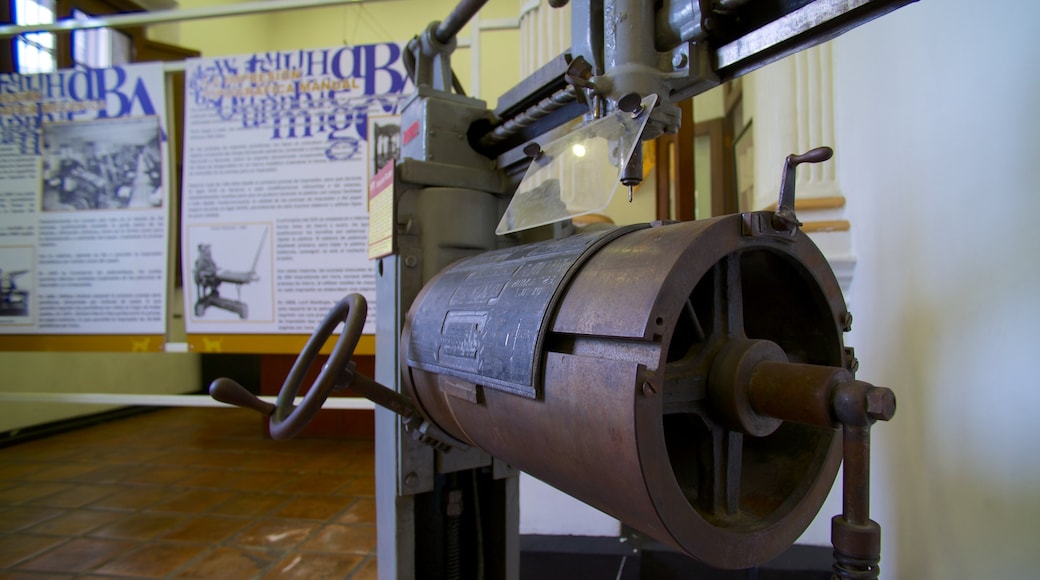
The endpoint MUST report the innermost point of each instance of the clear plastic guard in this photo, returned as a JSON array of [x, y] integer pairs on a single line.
[[576, 174]]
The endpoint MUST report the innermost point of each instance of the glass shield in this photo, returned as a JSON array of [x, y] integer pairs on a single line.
[[576, 174]]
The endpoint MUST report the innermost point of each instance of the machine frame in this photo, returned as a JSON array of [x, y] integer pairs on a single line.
[[459, 163]]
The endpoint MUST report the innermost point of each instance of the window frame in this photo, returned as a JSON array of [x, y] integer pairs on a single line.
[[64, 9]]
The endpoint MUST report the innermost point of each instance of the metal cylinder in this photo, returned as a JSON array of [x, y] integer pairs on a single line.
[[587, 361]]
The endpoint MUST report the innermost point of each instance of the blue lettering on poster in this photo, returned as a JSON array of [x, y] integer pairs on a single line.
[[28, 101], [303, 94]]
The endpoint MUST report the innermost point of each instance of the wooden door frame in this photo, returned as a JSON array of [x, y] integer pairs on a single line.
[[683, 171]]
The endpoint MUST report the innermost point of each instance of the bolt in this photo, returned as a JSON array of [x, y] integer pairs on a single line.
[[411, 261], [852, 362], [411, 479], [648, 389], [846, 321], [533, 150], [454, 508], [579, 73], [630, 103], [679, 60], [881, 403]]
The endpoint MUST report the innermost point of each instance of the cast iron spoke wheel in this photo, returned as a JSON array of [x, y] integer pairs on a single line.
[[728, 306], [739, 477], [719, 449], [287, 421]]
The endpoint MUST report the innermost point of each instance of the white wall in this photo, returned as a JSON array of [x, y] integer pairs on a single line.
[[938, 152], [937, 111]]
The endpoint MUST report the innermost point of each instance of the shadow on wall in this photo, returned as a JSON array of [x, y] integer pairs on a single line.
[[961, 462]]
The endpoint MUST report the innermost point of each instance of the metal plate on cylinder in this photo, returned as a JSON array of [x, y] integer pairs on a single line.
[[483, 318]]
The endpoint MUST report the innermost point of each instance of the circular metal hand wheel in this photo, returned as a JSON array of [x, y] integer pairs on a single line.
[[287, 421]]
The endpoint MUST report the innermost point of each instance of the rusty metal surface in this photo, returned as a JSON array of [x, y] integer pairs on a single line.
[[483, 319], [644, 415]]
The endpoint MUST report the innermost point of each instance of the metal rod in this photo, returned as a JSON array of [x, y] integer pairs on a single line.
[[463, 12], [543, 108], [164, 16], [856, 474], [161, 400]]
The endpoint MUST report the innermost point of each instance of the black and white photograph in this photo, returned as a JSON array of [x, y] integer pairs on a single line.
[[102, 164], [231, 272], [16, 283], [384, 140]]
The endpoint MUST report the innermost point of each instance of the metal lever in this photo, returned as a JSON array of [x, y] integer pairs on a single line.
[[830, 397], [230, 392], [785, 219], [857, 538], [338, 374]]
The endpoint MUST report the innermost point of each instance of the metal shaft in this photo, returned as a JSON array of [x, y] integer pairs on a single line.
[[463, 12], [856, 474]]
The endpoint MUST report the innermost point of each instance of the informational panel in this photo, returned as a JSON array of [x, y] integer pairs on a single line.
[[83, 202], [276, 170]]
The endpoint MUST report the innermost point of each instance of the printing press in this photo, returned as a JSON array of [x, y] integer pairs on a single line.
[[687, 378]]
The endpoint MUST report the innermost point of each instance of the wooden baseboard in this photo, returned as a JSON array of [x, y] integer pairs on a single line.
[[811, 203], [826, 226]]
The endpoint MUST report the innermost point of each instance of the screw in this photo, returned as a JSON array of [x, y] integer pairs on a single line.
[[630, 103], [846, 321], [881, 403], [679, 60], [533, 150], [411, 479], [411, 261], [853, 362], [648, 389]]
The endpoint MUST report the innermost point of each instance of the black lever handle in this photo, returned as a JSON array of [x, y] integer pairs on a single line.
[[228, 391], [785, 218], [339, 373], [812, 156]]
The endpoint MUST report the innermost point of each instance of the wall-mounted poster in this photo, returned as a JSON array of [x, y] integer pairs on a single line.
[[276, 169], [83, 202]]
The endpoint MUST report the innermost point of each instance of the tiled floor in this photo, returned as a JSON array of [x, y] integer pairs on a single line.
[[186, 493]]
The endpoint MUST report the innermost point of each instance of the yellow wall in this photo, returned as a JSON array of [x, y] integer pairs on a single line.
[[354, 24], [357, 23], [48, 372]]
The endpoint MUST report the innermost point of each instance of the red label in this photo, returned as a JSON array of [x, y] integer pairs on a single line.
[[410, 133], [381, 180]]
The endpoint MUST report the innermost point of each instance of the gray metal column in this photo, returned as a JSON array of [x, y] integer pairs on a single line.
[[447, 205]]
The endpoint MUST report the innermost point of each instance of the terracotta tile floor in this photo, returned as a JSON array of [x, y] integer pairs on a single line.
[[186, 493]]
